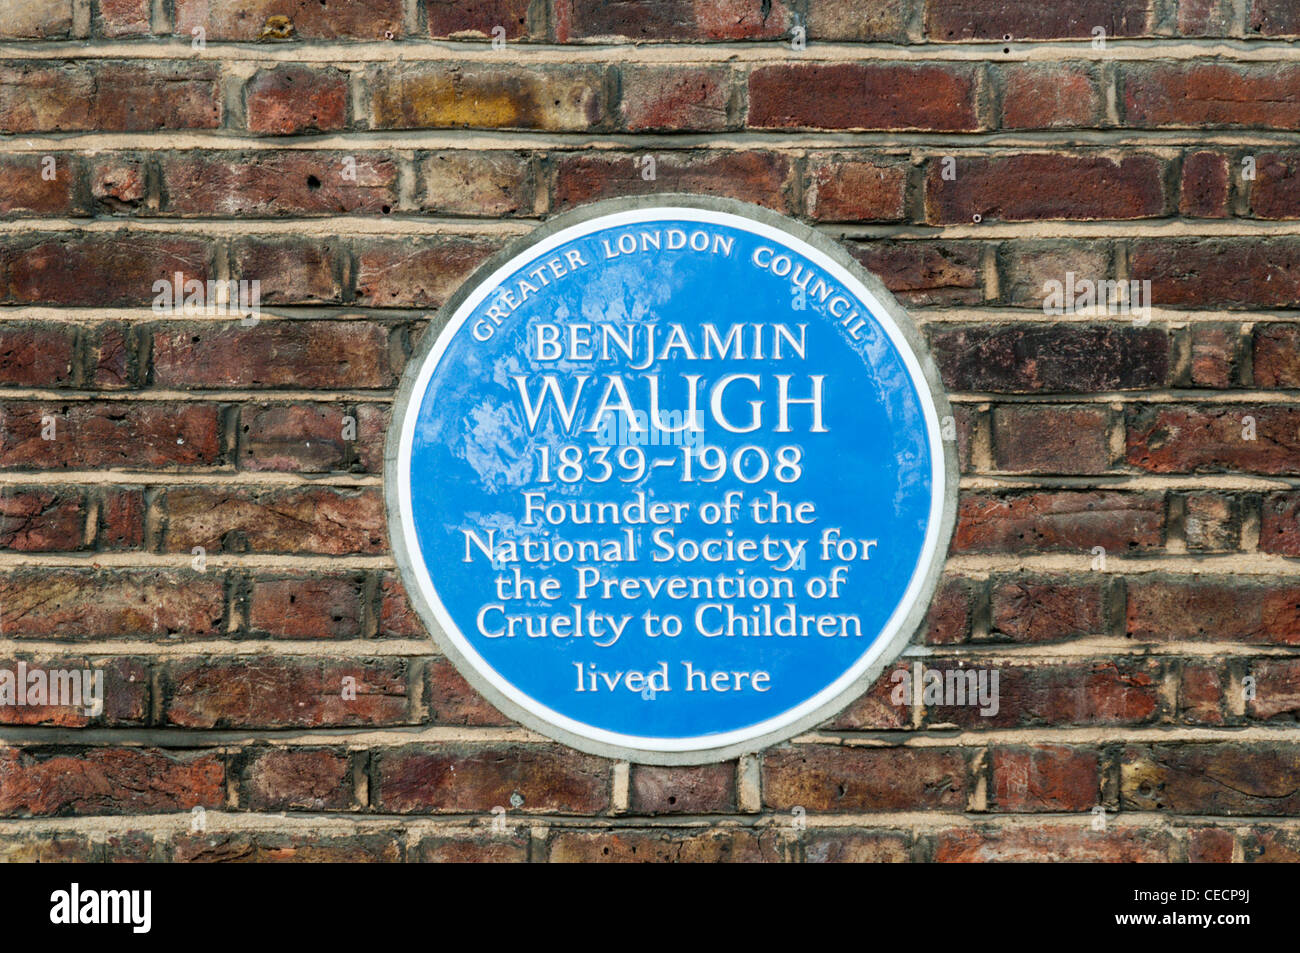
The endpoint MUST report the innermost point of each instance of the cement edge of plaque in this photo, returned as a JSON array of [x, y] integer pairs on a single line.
[[438, 326]]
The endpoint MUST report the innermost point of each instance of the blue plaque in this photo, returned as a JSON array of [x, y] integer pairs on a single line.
[[671, 482]]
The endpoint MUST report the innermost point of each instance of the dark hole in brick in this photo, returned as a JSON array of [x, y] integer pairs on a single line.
[[313, 182]]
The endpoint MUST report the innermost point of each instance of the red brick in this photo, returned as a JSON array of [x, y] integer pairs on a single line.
[[765, 178], [1204, 189], [520, 19], [101, 271], [1214, 355], [39, 782], [372, 431], [852, 20], [42, 519], [1211, 94], [37, 355], [48, 848], [854, 847], [670, 20], [451, 700], [1045, 778], [701, 789], [119, 18], [1276, 350], [396, 618], [35, 19], [876, 709], [675, 98], [1059, 521], [937, 98], [1037, 609], [247, 19], [1273, 18], [1028, 268], [949, 620], [290, 271], [1056, 358], [1231, 272], [292, 692], [478, 184], [83, 604], [287, 353], [925, 273], [438, 96], [1050, 96], [1043, 186], [1275, 193], [293, 438], [1221, 779], [1209, 845], [121, 518], [1279, 527], [510, 847], [304, 779], [1277, 690], [628, 845], [460, 779], [289, 100], [839, 188], [1200, 694], [1213, 609], [416, 273], [134, 96], [92, 436], [822, 778], [948, 20], [125, 698], [1043, 438], [118, 183], [1171, 438], [1205, 17], [293, 182], [1056, 843], [113, 349], [28, 192], [319, 607], [1270, 845], [317, 520]]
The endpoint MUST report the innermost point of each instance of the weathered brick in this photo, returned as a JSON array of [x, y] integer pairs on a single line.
[[854, 21], [287, 692], [822, 778], [1211, 522], [1036, 609], [675, 98], [125, 699], [42, 519], [278, 848], [520, 19], [35, 19], [1200, 694], [109, 96], [628, 845], [1275, 193], [1273, 18], [877, 709], [1050, 96], [252, 19], [121, 517], [925, 273], [48, 848], [437, 96], [303, 779], [37, 354], [313, 354], [1279, 525], [854, 847], [294, 438], [1181, 608], [101, 271], [495, 848], [118, 183], [1045, 778], [1209, 845], [1045, 186], [1215, 351], [765, 178], [948, 20], [40, 782], [1205, 17], [289, 100], [1193, 93], [265, 184], [1034, 271], [396, 618], [451, 700], [1045, 438], [120, 18], [840, 188], [290, 271], [1203, 192], [1059, 521], [701, 789], [319, 520], [937, 98], [478, 184], [1229, 272], [83, 604], [416, 273], [458, 779], [1055, 358], [1173, 438], [1056, 843], [1225, 779], [319, 607], [670, 20], [91, 436], [32, 186], [113, 349], [1276, 349]]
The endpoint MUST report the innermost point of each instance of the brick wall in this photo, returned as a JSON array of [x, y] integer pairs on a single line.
[[1155, 678]]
